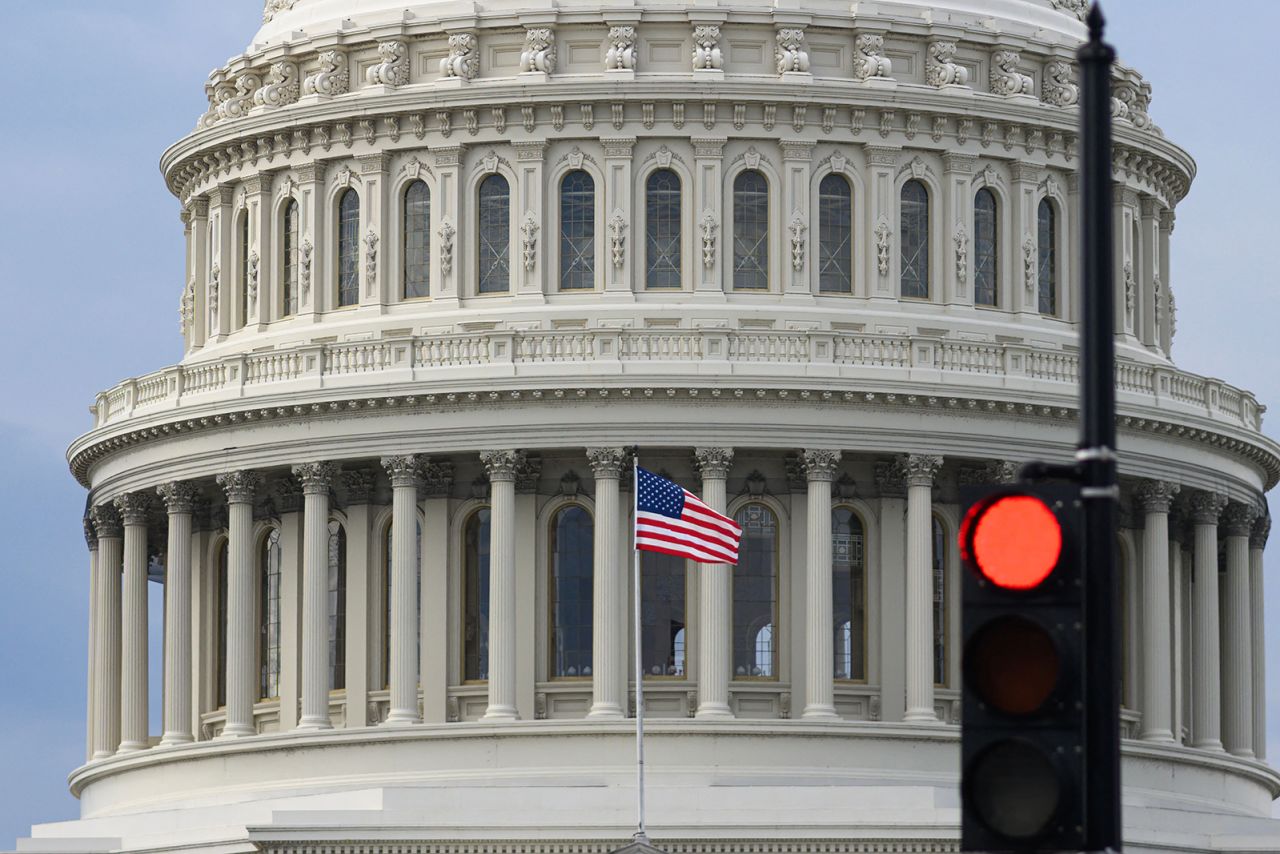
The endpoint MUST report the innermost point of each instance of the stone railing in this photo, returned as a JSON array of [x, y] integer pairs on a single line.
[[887, 363]]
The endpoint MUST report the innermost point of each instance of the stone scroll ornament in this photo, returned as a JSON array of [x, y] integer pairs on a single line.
[[884, 236], [254, 263], [304, 266], [961, 240], [393, 70], [708, 225], [463, 60], [332, 78], [215, 274], [281, 87], [1059, 87], [447, 233], [187, 307], [1006, 79], [791, 53], [529, 246], [942, 69], [706, 49], [241, 101], [622, 49], [868, 60], [275, 7], [1029, 262], [797, 227], [539, 52], [618, 238], [370, 260]]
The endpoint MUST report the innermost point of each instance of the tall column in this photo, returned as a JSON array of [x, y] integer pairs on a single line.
[[106, 666], [1237, 634], [502, 467], [1177, 616], [820, 469], [179, 500], [134, 508], [920, 470], [715, 613], [403, 669], [1153, 498], [240, 487], [608, 635], [91, 540], [315, 479], [1258, 542], [1205, 661]]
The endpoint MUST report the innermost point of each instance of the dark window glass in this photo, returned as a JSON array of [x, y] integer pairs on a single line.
[[914, 238], [337, 607], [755, 595], [1048, 268], [848, 594], [577, 231], [349, 248], [386, 601], [985, 250], [941, 649], [220, 677], [662, 614], [417, 241], [244, 268], [750, 231], [495, 235], [475, 597], [835, 235], [292, 248], [269, 616], [662, 230], [572, 561]]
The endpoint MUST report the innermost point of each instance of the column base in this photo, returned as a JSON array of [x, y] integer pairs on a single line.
[[1243, 753], [315, 724], [714, 711], [131, 747], [605, 711], [920, 716], [501, 713], [401, 719], [1212, 745], [1158, 736], [176, 739], [821, 712], [236, 731], [99, 755]]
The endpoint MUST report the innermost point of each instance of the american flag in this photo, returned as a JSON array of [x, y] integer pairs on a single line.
[[672, 520]]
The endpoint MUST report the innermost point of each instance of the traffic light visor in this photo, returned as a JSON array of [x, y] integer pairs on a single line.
[[1014, 541]]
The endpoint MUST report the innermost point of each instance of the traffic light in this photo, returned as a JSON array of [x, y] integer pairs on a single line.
[[1023, 734]]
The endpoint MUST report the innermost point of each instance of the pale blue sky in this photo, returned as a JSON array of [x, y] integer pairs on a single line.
[[91, 269]]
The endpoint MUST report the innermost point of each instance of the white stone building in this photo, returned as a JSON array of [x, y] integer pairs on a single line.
[[446, 261]]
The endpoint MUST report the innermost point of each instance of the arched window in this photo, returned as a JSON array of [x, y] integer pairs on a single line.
[[662, 230], [570, 591], [386, 599], [914, 238], [755, 595], [662, 620], [849, 594], [417, 241], [348, 248], [290, 268], [220, 668], [941, 649], [244, 268], [475, 597], [835, 235], [269, 616], [495, 235], [986, 254], [577, 231], [750, 231], [337, 607], [1046, 219]]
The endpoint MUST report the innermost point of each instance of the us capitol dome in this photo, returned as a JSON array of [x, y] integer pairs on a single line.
[[446, 262]]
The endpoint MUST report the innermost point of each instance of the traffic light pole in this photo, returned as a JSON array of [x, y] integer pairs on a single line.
[[1096, 456]]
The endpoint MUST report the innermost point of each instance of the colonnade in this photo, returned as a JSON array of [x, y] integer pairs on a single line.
[[1226, 708]]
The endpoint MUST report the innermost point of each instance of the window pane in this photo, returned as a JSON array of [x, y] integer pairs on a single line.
[[572, 561], [755, 587], [475, 594], [662, 230], [750, 231], [940, 651], [417, 241], [292, 245], [848, 594], [349, 249], [244, 268], [577, 231], [985, 250], [220, 687], [835, 235], [915, 240], [495, 235], [386, 601], [662, 614], [269, 615], [1048, 268], [337, 607]]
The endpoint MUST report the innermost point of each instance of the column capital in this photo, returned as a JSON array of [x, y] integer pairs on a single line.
[[882, 155], [528, 472], [959, 164], [920, 469], [179, 496], [90, 535], [820, 464], [502, 466], [134, 507], [1238, 519], [437, 477], [241, 486], [607, 462], [1205, 507], [403, 470], [106, 520], [315, 477], [993, 471], [1155, 496], [713, 462], [359, 484], [1261, 531], [287, 493]]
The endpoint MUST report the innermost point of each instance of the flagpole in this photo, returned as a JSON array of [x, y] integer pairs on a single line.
[[640, 836]]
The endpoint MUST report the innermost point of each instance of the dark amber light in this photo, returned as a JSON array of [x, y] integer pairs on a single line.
[[1016, 542], [1013, 665]]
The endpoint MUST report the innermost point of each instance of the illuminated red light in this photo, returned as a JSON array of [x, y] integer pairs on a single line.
[[1015, 541]]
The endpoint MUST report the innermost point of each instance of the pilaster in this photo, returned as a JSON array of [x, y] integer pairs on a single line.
[[957, 229], [622, 244], [709, 217], [798, 259], [376, 243], [314, 288], [436, 549], [881, 256], [532, 224], [360, 594]]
